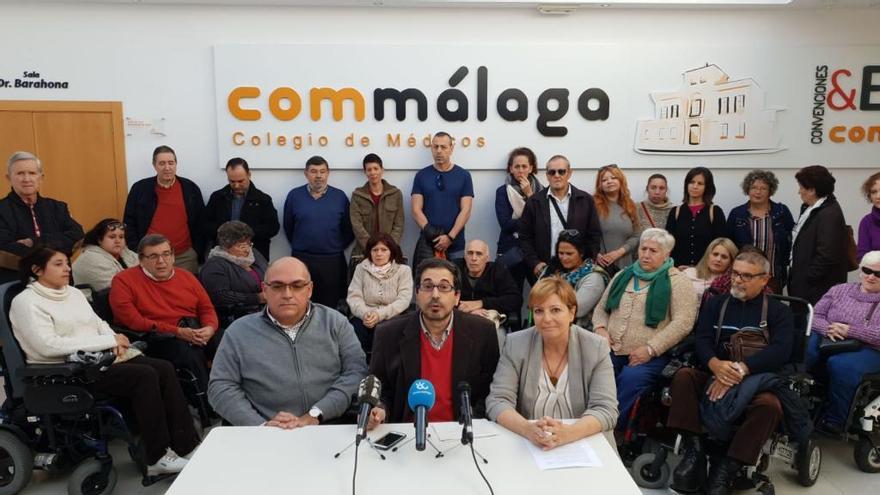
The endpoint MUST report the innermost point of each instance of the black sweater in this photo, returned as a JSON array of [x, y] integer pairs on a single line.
[[495, 288]]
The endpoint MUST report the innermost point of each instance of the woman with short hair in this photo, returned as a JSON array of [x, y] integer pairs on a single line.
[[696, 221], [552, 371], [104, 254], [377, 206], [764, 223]]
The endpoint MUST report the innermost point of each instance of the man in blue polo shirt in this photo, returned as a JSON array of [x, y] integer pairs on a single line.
[[442, 196], [318, 227]]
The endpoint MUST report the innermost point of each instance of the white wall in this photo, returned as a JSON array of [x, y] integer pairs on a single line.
[[157, 60]]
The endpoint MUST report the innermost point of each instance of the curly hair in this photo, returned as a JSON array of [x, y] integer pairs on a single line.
[[765, 176], [526, 152], [868, 184], [624, 199]]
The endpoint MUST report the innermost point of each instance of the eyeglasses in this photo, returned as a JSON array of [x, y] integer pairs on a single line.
[[115, 225], [243, 245], [281, 287], [167, 255], [868, 271], [442, 287], [438, 181], [556, 171], [746, 277]]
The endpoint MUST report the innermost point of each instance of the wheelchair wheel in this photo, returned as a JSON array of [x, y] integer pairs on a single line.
[[16, 464], [809, 463], [87, 479], [645, 476], [866, 456]]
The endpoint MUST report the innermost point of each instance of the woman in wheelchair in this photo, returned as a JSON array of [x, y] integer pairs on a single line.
[[52, 320], [846, 337], [104, 254]]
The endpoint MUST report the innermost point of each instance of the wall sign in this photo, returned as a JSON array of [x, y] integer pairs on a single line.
[[31, 79]]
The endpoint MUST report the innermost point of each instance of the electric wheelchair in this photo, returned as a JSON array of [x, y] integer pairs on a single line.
[[50, 421]]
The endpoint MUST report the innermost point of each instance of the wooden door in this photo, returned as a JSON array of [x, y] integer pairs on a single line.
[[82, 148]]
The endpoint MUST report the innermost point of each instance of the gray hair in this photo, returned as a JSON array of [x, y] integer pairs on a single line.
[[21, 156], [755, 258], [233, 232], [151, 240], [764, 176], [870, 258], [660, 236]]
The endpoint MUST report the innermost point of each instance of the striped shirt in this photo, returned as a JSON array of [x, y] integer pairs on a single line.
[[553, 400], [762, 237]]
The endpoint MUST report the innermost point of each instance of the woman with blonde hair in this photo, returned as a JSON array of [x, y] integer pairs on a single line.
[[716, 261], [617, 217]]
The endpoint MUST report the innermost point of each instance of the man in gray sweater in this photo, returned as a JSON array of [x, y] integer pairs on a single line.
[[296, 363]]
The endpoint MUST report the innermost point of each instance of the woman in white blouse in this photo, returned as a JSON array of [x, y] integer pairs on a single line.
[[553, 371]]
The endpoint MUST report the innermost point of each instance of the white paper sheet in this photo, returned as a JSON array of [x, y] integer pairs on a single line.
[[572, 455]]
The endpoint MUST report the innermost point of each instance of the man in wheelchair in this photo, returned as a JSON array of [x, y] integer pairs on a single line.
[[739, 365]]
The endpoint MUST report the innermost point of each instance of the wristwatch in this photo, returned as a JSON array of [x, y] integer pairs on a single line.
[[317, 414]]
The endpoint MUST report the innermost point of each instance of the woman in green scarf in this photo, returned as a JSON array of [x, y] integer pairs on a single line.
[[574, 263], [648, 308]]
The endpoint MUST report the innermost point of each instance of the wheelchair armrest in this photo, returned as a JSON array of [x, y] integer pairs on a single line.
[[683, 347], [59, 369], [148, 337]]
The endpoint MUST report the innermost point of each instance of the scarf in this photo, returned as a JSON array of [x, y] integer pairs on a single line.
[[379, 271], [516, 196], [575, 276], [242, 261], [659, 292], [48, 292]]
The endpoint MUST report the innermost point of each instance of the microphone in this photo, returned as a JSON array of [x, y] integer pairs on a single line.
[[421, 399], [466, 413], [368, 397]]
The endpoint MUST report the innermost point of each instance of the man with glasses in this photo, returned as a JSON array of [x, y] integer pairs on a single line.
[[732, 385], [169, 306], [293, 364], [561, 206], [442, 196], [437, 343]]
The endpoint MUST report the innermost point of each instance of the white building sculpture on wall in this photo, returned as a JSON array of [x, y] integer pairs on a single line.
[[710, 114]]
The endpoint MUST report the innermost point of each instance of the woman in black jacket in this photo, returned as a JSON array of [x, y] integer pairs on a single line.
[[818, 253], [697, 221]]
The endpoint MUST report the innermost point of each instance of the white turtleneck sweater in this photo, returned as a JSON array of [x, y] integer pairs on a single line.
[[51, 324]]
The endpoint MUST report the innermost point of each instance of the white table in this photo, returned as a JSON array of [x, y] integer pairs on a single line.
[[262, 460]]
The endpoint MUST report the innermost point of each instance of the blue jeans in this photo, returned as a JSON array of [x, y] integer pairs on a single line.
[[632, 381], [845, 372]]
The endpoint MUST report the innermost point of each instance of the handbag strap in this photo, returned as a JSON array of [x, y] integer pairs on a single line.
[[762, 325], [871, 311], [648, 215], [721, 320], [558, 211]]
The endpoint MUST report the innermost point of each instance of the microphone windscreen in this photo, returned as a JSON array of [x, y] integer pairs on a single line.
[[463, 386], [421, 393]]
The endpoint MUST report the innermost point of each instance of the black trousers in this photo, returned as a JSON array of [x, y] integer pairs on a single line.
[[186, 356], [157, 401], [330, 276]]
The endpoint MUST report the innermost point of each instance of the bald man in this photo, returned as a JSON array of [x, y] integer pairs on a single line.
[[486, 285], [296, 363]]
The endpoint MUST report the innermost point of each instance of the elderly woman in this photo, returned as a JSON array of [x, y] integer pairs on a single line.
[[520, 184], [104, 254], [381, 288], [696, 221], [574, 264], [869, 227], [764, 224], [552, 371], [51, 320], [617, 217], [716, 262], [848, 311], [818, 251], [648, 308], [654, 211], [377, 206], [233, 274]]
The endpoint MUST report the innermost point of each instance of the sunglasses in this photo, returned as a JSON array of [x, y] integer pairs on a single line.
[[556, 171], [115, 225], [438, 181], [868, 271]]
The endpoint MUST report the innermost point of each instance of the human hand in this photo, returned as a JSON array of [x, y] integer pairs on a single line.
[[716, 390], [837, 331], [122, 345], [525, 186], [470, 306], [603, 332], [727, 372], [203, 335], [555, 433], [377, 417], [283, 420], [371, 319], [539, 267], [27, 242], [187, 335], [442, 242], [306, 420], [639, 356]]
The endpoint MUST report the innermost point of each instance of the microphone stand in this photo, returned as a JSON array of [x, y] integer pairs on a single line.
[[427, 440], [465, 440], [369, 441]]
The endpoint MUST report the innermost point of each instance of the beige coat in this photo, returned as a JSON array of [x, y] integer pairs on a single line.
[[626, 325], [362, 213], [96, 267], [388, 296]]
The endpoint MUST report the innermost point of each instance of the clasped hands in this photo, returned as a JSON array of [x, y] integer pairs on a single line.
[[837, 331], [728, 374], [548, 433], [196, 336]]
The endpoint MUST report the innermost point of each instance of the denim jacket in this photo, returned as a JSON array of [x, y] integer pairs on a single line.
[[739, 227]]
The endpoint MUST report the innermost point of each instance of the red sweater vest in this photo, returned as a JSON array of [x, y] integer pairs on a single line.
[[170, 217], [437, 369]]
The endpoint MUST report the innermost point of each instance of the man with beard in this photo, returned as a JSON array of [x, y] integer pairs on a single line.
[[436, 343], [746, 306]]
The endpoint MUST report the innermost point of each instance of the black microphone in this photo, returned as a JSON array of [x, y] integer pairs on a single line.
[[466, 413], [368, 397], [421, 399]]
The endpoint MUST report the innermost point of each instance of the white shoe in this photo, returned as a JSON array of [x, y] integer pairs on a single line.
[[188, 457], [170, 463]]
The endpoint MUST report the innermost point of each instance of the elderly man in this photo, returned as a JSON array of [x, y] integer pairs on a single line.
[[296, 363], [168, 205], [435, 343], [732, 386], [241, 200], [317, 223], [156, 298], [26, 217], [558, 207], [442, 195], [486, 285]]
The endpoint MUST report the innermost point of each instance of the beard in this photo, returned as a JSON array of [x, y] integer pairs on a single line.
[[738, 293]]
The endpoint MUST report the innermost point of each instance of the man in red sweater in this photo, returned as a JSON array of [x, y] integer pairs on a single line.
[[154, 297]]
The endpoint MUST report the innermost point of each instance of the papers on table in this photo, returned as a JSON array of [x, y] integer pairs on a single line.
[[572, 455], [449, 431]]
